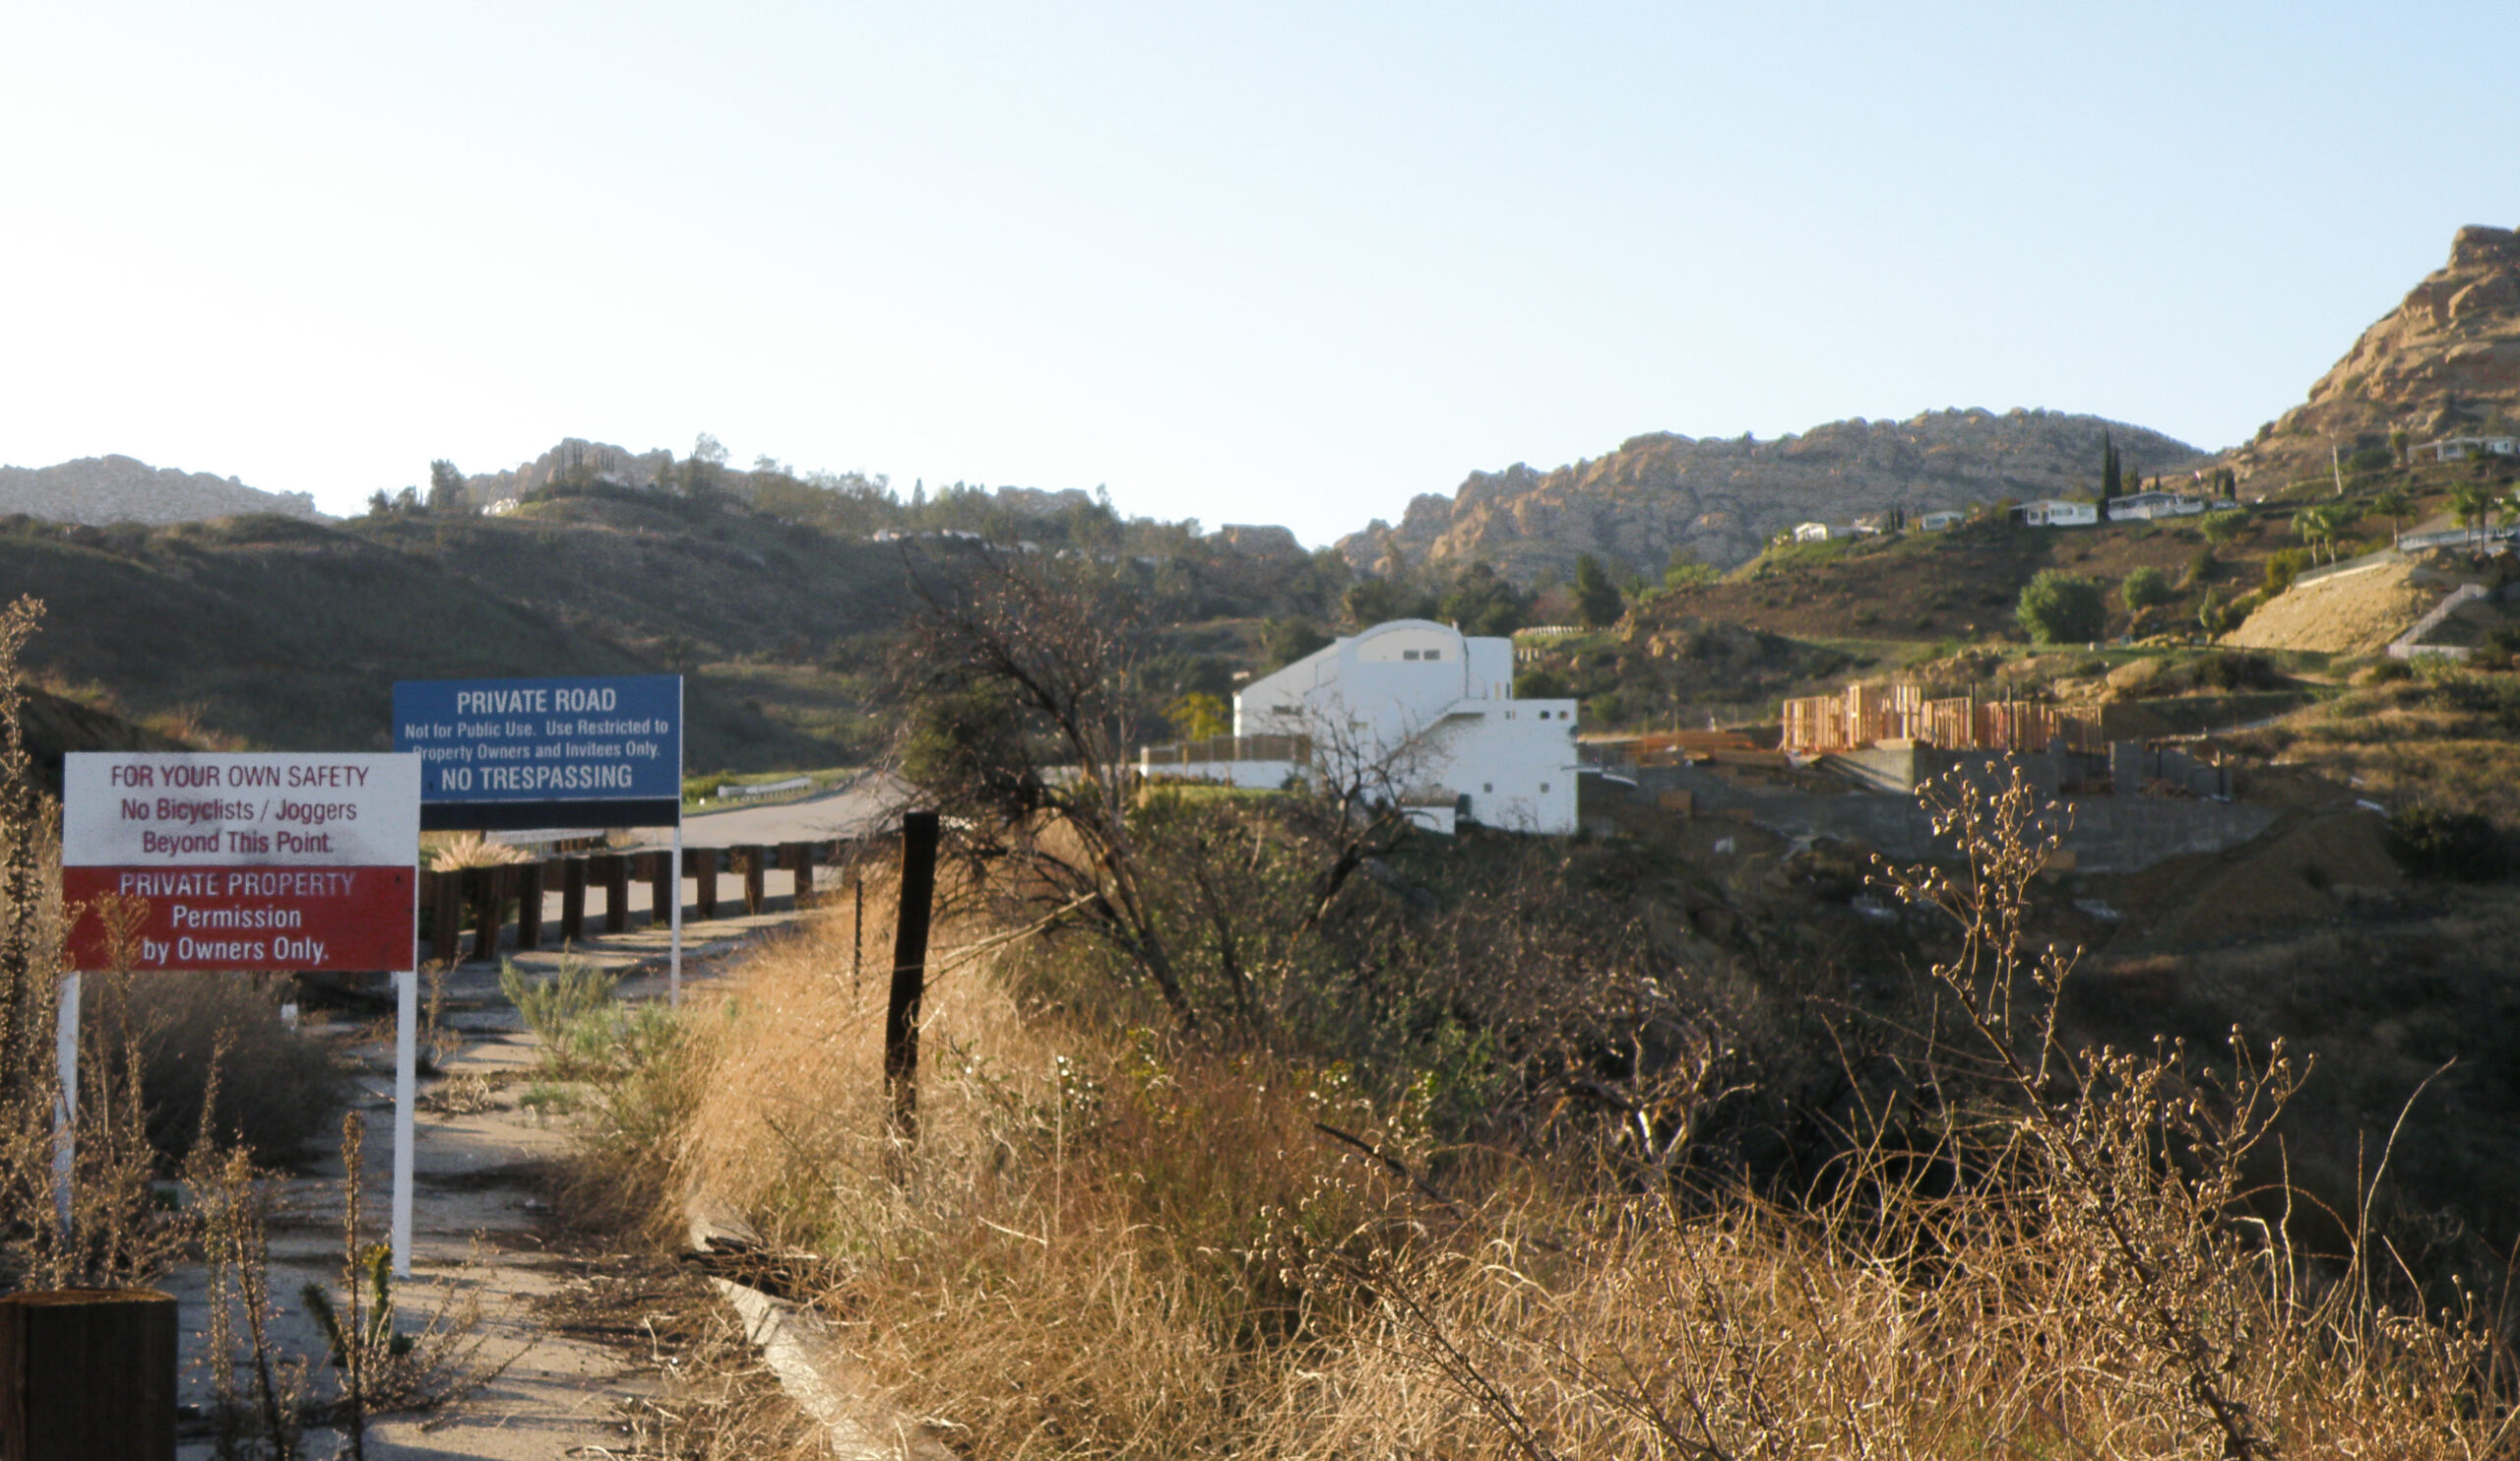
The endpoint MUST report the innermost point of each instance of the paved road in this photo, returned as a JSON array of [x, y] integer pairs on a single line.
[[871, 804]]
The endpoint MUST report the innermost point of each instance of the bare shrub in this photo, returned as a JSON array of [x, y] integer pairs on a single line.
[[1113, 1241], [116, 1234], [281, 1087]]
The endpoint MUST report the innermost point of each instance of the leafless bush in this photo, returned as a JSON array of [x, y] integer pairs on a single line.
[[1116, 1242], [115, 1234]]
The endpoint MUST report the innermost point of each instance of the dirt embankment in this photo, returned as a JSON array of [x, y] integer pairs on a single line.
[[2349, 613]]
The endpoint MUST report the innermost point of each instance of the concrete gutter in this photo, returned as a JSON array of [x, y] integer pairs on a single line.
[[827, 1382]]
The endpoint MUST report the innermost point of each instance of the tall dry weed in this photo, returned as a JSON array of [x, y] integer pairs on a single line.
[[1115, 1244], [116, 1234]]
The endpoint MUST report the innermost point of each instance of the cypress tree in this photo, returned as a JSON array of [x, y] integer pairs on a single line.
[[2108, 479]]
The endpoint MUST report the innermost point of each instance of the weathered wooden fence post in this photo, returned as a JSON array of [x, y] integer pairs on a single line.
[[489, 909], [446, 917], [573, 900], [614, 868], [754, 862], [701, 864], [88, 1374], [798, 859], [664, 888], [909, 970], [530, 878]]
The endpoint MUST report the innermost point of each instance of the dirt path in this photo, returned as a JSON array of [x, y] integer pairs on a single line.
[[480, 1232]]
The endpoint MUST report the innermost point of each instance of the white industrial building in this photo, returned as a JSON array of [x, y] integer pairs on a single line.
[[1413, 705]]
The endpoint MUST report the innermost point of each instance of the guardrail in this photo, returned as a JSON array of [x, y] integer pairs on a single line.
[[476, 899], [726, 790]]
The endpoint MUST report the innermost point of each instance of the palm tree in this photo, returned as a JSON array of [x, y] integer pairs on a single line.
[[2314, 526], [2391, 504], [2469, 506]]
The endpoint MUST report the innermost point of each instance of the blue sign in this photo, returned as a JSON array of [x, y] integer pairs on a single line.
[[578, 752]]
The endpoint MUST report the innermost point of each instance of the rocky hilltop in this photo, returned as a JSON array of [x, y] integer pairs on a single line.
[[96, 491], [2445, 362], [1724, 498], [590, 461]]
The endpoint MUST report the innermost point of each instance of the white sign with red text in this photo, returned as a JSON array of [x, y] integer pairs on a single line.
[[271, 861]]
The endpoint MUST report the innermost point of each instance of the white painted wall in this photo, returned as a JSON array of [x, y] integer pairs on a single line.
[[1439, 707]]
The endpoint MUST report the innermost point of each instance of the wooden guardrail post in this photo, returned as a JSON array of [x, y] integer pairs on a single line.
[[909, 970], [573, 899], [489, 892], [754, 862], [701, 864], [530, 878], [663, 888], [798, 859], [446, 917], [615, 870], [88, 1374]]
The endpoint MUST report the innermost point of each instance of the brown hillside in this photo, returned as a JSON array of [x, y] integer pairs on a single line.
[[1961, 584], [1723, 499], [2445, 362]]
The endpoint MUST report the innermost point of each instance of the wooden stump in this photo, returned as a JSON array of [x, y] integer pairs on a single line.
[[88, 1374]]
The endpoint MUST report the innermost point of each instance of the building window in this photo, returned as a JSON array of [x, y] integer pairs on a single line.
[[1435, 654], [1408, 654], [1488, 785], [1543, 789]]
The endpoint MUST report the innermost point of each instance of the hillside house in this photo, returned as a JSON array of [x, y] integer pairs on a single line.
[[2459, 448], [1417, 705], [1816, 532], [2146, 507], [1942, 522], [2056, 512]]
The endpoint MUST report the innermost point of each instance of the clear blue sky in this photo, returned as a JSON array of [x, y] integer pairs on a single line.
[[1285, 262]]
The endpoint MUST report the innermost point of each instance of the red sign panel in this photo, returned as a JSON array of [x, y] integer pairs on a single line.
[[261, 862], [337, 919]]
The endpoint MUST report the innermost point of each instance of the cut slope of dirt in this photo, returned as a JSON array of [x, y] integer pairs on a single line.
[[2349, 613]]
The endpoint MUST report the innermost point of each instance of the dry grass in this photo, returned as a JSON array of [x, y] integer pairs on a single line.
[[1105, 1246], [2443, 737]]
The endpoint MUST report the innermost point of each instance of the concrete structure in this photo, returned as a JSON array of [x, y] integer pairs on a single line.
[[2412, 643], [1815, 532], [2147, 506], [2057, 512], [2119, 833], [1412, 710], [1942, 522]]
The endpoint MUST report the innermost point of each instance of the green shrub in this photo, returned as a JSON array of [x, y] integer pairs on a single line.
[[2056, 608], [2282, 567], [2143, 587], [586, 1030], [2430, 841]]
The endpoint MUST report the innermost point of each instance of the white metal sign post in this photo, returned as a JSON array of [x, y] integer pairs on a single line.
[[273, 862]]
